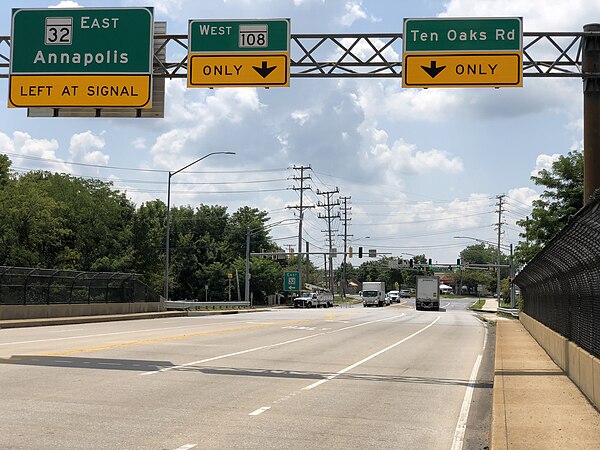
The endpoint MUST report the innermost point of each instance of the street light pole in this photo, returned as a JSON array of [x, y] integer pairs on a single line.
[[167, 239]]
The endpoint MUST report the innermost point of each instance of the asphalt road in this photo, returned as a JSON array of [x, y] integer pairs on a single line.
[[351, 378]]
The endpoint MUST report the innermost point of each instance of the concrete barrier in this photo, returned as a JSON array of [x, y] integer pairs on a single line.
[[596, 370], [581, 367], [17, 312]]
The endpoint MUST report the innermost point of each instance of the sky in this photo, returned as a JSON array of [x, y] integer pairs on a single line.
[[420, 166]]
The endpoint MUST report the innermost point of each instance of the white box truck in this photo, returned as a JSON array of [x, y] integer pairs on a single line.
[[373, 293], [428, 293]]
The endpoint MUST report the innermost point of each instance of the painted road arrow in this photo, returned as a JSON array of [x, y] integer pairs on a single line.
[[433, 70], [264, 71]]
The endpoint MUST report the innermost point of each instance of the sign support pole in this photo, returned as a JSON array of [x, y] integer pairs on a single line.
[[591, 111]]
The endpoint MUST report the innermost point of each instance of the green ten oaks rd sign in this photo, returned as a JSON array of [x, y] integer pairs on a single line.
[[239, 53], [456, 35], [81, 57], [470, 52]]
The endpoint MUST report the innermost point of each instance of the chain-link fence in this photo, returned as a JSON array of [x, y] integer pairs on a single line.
[[28, 286], [561, 284]]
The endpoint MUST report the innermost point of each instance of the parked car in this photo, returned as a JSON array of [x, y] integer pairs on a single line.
[[394, 296]]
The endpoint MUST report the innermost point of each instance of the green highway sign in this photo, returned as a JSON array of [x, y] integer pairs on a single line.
[[269, 35], [291, 281], [468, 34], [81, 57], [82, 40]]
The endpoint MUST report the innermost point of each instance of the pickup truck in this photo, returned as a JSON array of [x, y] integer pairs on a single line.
[[314, 300]]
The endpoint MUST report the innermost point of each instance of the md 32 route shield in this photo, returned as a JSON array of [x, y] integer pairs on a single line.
[[81, 57]]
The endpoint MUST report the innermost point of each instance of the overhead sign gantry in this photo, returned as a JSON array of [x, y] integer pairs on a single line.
[[473, 52], [81, 57], [239, 53]]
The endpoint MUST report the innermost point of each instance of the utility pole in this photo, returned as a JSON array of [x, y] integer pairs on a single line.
[[346, 209], [500, 204], [329, 216], [590, 63], [301, 209]]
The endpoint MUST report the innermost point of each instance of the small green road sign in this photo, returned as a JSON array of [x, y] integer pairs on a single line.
[[458, 35], [291, 281], [269, 35]]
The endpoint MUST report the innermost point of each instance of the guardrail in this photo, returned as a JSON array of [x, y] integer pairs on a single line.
[[188, 304], [512, 312]]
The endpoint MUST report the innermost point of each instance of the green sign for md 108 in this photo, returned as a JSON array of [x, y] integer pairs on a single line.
[[269, 35], [468, 35]]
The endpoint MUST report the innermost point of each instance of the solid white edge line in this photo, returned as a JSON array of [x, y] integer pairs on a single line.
[[362, 361], [259, 411], [461, 425]]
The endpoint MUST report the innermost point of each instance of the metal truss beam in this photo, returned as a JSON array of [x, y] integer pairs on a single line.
[[376, 55]]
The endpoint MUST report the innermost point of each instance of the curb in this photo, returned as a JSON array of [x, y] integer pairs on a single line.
[[43, 322]]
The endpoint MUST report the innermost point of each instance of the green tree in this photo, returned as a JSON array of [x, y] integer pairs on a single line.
[[5, 175], [562, 197], [148, 243], [97, 219], [31, 228], [266, 277]]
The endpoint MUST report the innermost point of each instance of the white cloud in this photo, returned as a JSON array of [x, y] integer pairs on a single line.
[[301, 116], [354, 12], [81, 146], [550, 15], [194, 114], [66, 4], [544, 161], [402, 157], [523, 196], [23, 144], [139, 143]]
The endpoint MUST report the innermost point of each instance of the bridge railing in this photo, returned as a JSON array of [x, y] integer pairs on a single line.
[[31, 286], [561, 284]]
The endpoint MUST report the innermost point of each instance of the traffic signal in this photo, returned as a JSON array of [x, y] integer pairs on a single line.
[[342, 266], [411, 263], [360, 252], [449, 268], [349, 252], [429, 263], [458, 263]]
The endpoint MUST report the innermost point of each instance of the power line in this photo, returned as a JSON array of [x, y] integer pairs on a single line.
[[135, 169]]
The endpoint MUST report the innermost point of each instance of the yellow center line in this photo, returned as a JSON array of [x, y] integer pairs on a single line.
[[174, 338], [184, 336]]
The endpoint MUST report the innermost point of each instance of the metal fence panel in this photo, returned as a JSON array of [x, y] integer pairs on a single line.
[[561, 284], [30, 286]]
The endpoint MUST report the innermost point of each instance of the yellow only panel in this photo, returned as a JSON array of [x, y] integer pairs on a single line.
[[95, 91], [238, 70], [426, 70]]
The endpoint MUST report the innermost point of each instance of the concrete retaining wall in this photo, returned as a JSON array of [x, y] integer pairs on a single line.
[[15, 312], [581, 367]]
